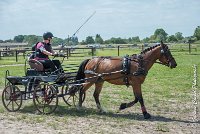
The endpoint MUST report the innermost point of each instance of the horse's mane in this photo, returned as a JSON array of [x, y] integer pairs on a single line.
[[149, 49]]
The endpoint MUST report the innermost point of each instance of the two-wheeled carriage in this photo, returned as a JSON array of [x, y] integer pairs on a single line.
[[43, 86]]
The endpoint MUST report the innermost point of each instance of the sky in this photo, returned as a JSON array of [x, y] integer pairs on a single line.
[[113, 18]]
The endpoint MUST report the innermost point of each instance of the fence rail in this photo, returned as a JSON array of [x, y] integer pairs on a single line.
[[69, 52], [81, 52]]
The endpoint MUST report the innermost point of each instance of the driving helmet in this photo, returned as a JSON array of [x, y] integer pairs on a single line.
[[47, 35]]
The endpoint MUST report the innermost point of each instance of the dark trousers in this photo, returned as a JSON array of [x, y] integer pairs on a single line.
[[52, 64], [48, 64]]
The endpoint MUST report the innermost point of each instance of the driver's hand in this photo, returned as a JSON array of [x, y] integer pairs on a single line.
[[56, 54]]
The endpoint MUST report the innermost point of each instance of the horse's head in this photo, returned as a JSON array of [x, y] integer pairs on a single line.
[[166, 56]]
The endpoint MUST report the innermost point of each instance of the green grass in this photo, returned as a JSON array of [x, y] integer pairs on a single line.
[[167, 94], [12, 60]]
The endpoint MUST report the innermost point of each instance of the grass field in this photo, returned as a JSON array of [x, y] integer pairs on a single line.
[[168, 96]]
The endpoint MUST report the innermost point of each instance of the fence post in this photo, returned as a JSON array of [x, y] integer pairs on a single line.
[[118, 50], [189, 41], [16, 56], [92, 51], [142, 47], [0, 55], [24, 54], [189, 47], [67, 53]]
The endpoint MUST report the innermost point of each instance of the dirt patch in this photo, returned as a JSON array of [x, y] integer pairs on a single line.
[[92, 122], [168, 116]]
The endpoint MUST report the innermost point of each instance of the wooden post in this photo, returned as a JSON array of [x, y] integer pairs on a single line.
[[118, 50], [189, 48], [24, 54], [92, 51], [67, 53], [16, 56], [0, 55], [142, 47], [189, 41]]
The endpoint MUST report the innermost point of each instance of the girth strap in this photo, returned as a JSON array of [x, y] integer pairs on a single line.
[[126, 65]]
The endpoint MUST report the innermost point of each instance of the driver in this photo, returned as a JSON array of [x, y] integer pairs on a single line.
[[44, 50]]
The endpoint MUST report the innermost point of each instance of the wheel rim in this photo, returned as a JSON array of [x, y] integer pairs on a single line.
[[45, 98], [72, 98], [12, 98]]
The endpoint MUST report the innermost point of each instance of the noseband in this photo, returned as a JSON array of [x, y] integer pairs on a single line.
[[165, 51]]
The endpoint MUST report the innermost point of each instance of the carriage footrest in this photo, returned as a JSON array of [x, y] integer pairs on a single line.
[[16, 80]]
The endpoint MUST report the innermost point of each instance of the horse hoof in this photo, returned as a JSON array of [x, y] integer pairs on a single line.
[[103, 111], [147, 116], [122, 106], [79, 108]]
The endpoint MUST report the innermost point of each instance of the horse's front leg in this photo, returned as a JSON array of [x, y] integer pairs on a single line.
[[144, 111], [127, 105], [138, 95]]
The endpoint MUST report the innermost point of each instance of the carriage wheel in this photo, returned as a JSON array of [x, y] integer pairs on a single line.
[[12, 98], [45, 98], [71, 95]]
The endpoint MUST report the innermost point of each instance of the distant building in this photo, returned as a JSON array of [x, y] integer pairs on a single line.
[[13, 45]]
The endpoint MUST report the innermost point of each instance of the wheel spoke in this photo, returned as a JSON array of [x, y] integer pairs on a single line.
[[43, 108], [8, 103], [12, 106], [16, 103], [69, 97]]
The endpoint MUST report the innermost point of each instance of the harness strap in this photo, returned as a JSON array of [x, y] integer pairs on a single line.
[[126, 65]]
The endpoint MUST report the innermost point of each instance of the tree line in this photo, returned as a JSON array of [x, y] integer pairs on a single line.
[[157, 36]]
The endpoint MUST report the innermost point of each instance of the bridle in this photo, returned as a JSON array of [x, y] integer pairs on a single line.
[[166, 52]]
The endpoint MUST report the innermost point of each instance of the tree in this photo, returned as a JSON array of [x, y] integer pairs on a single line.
[[98, 39], [83, 42], [197, 33], [9, 40], [32, 39], [19, 38], [152, 39], [145, 40], [171, 38], [57, 41], [89, 40], [72, 41], [160, 34], [117, 41], [179, 36], [135, 39]]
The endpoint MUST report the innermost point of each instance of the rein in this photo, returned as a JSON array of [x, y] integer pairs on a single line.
[[161, 63]]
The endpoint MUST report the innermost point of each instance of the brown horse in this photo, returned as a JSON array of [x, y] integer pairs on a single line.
[[123, 71]]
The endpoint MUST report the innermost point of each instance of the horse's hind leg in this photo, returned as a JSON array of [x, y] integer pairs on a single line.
[[98, 88], [82, 91]]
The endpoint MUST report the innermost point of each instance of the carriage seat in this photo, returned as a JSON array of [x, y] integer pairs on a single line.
[[38, 66]]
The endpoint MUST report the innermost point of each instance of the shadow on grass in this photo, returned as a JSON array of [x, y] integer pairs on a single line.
[[194, 54], [90, 112]]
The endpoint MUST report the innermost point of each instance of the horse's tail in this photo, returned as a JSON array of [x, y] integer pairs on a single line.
[[80, 74]]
